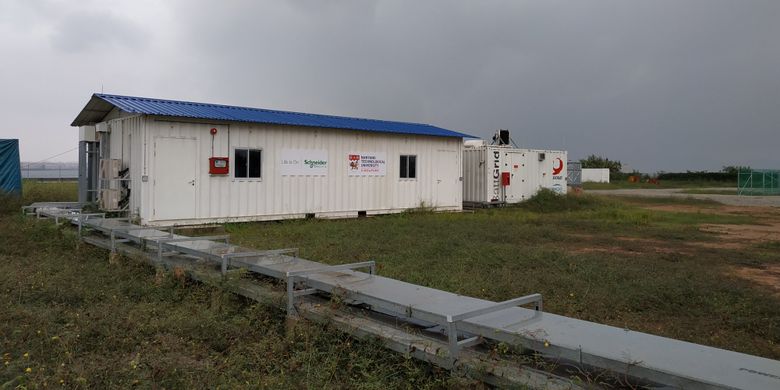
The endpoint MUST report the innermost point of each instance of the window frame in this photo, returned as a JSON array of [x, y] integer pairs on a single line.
[[400, 164], [234, 161]]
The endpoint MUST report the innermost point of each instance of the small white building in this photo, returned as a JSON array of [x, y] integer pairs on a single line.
[[499, 174], [595, 175], [170, 162]]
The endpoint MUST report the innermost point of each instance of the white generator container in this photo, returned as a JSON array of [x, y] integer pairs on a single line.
[[501, 174]]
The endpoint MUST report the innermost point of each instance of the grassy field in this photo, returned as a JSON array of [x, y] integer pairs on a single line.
[[70, 318], [621, 184], [604, 260], [643, 264]]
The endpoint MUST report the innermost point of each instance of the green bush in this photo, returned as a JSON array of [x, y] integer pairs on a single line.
[[9, 202], [548, 201]]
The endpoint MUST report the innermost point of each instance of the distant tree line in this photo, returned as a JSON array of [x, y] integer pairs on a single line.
[[728, 173], [594, 161]]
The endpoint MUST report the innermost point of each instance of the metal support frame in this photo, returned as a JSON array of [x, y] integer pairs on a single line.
[[452, 320], [163, 241], [85, 216], [88, 171], [55, 205], [119, 232], [57, 213], [292, 275], [225, 259], [146, 240]]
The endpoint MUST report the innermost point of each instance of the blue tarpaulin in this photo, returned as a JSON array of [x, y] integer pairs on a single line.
[[10, 167]]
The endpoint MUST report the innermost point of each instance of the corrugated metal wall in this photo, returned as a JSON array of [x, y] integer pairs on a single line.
[[475, 175], [220, 198]]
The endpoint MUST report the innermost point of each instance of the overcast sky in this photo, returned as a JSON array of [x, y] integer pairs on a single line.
[[660, 85]]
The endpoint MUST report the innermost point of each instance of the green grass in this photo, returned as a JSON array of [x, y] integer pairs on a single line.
[[74, 320], [623, 184], [49, 191], [504, 253], [39, 191], [602, 259]]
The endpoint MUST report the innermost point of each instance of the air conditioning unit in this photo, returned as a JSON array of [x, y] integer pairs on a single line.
[[109, 199], [87, 133], [109, 168]]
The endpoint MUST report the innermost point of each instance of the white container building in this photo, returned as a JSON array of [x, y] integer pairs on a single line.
[[494, 174], [595, 175], [169, 162]]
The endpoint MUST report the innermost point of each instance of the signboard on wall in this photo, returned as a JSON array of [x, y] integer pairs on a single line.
[[366, 164], [303, 162]]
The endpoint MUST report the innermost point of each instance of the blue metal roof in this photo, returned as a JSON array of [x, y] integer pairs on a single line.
[[97, 108]]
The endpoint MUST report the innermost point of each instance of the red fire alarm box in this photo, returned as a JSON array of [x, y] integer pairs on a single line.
[[505, 179], [219, 166]]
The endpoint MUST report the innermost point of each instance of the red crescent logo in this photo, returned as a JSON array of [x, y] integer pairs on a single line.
[[558, 167]]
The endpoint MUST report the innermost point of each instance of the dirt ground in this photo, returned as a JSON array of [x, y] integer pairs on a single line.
[[766, 231], [736, 237], [767, 276]]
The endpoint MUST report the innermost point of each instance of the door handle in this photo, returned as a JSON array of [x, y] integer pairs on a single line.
[[191, 182]]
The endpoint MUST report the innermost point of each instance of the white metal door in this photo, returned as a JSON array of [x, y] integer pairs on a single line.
[[514, 165], [447, 177], [175, 178]]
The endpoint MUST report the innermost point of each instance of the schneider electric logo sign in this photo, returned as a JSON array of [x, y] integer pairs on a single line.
[[303, 162], [316, 163]]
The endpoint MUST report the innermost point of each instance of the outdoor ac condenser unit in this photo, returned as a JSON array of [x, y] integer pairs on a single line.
[[109, 199], [109, 168]]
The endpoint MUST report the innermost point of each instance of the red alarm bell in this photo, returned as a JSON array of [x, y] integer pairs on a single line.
[[213, 131]]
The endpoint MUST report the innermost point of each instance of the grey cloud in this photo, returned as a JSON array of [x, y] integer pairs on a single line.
[[93, 31], [659, 84]]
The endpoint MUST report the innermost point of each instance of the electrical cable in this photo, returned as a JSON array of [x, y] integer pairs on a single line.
[[51, 157]]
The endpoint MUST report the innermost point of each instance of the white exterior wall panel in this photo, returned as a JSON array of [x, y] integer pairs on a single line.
[[554, 168], [225, 198]]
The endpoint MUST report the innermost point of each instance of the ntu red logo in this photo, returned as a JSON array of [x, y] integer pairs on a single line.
[[354, 161], [557, 166]]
